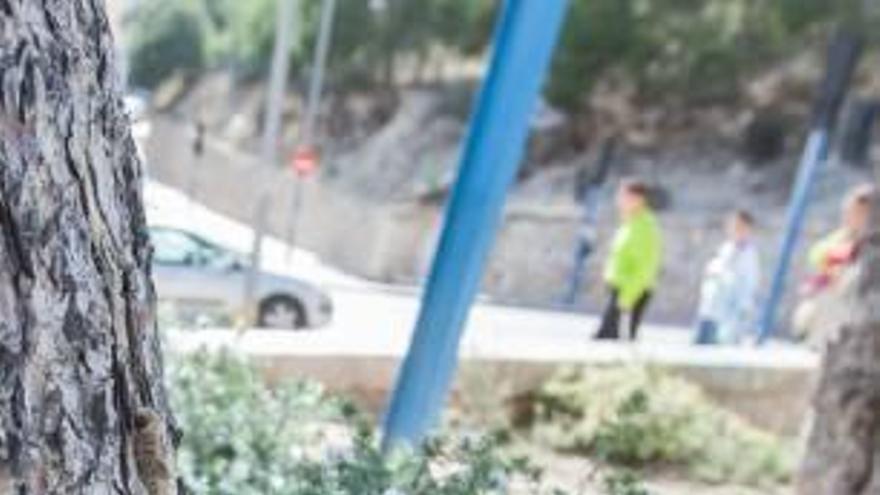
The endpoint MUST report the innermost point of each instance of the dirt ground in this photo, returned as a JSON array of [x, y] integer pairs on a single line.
[[580, 476]]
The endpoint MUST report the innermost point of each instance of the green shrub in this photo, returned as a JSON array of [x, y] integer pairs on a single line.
[[695, 51], [240, 437], [638, 417], [623, 483]]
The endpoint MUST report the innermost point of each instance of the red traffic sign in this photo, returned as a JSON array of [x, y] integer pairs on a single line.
[[305, 161]]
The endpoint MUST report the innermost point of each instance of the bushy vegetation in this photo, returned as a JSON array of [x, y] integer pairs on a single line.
[[624, 483], [240, 437], [169, 39], [640, 417], [369, 36], [694, 50], [243, 438]]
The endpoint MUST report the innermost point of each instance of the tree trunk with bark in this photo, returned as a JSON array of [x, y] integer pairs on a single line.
[[83, 409], [842, 455]]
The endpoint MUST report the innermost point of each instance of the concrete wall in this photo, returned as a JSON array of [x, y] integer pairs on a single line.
[[360, 238], [773, 399]]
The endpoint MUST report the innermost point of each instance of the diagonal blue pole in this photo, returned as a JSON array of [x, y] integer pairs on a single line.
[[843, 56], [524, 40], [812, 162]]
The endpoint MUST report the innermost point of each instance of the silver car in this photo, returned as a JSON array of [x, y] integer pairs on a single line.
[[193, 271]]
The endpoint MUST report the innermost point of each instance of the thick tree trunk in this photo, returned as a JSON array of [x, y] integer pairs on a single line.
[[842, 456], [82, 404]]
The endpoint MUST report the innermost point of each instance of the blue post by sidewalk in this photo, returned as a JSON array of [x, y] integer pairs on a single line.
[[814, 157], [524, 40], [843, 56]]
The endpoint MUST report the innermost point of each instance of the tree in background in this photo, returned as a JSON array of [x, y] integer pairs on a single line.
[[598, 34], [681, 51], [369, 38], [170, 40], [463, 25], [241, 35], [83, 409], [693, 51], [354, 52]]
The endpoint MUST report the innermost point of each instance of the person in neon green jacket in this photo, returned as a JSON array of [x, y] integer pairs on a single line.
[[633, 265]]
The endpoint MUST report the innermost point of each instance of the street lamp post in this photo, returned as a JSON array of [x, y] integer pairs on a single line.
[[269, 148], [313, 107]]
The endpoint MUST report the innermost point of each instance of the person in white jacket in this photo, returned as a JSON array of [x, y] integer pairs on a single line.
[[729, 291]]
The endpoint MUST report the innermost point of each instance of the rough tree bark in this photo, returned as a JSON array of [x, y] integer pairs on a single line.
[[82, 404], [843, 452]]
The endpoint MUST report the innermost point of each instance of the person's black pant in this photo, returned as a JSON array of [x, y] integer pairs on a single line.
[[610, 326]]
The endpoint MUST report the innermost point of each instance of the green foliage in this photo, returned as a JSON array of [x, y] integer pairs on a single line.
[[441, 467], [190, 35], [245, 36], [637, 417], [800, 15], [355, 51], [598, 34], [367, 43], [623, 483], [169, 40], [463, 25], [243, 438], [696, 50], [239, 435]]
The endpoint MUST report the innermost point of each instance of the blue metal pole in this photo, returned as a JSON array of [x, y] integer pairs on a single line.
[[524, 40], [843, 56], [814, 157]]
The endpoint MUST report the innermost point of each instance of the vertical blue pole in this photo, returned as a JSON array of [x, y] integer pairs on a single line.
[[814, 157], [524, 40]]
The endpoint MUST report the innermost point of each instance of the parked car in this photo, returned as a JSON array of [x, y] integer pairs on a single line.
[[191, 270]]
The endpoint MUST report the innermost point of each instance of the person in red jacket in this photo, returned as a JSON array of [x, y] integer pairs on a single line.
[[838, 250], [830, 259]]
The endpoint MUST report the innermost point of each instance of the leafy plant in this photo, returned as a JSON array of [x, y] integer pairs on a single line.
[[623, 483], [241, 437], [638, 417]]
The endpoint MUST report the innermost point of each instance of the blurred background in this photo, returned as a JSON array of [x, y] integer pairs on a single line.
[[708, 100]]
